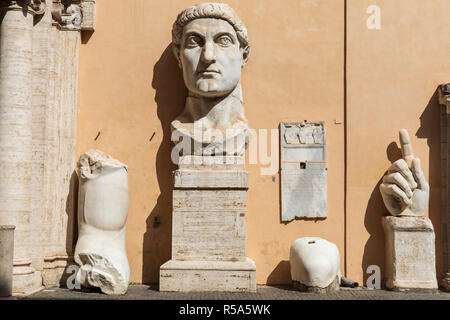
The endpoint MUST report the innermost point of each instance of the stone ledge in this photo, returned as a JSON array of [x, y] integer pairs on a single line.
[[411, 286], [408, 224], [211, 162], [247, 265], [210, 179], [184, 276]]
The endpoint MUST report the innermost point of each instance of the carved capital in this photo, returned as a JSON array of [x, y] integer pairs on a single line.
[[38, 6], [444, 95], [74, 15], [88, 11], [34, 7]]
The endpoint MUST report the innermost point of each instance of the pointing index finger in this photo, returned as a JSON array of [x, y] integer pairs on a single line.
[[405, 143]]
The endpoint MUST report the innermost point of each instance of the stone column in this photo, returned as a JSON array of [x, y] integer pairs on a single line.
[[39, 53], [70, 18], [60, 155], [444, 100], [40, 85], [16, 48]]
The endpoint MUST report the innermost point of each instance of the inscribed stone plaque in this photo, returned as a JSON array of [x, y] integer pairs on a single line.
[[303, 170]]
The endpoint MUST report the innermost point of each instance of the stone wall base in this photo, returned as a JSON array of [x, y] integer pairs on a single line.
[[54, 273], [333, 287], [183, 276], [26, 284]]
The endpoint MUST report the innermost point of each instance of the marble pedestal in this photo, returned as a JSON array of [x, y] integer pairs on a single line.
[[209, 230], [410, 253]]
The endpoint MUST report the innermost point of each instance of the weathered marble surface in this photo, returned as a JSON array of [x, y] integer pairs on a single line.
[[74, 15], [88, 14], [315, 265], [209, 220], [303, 170], [102, 214], [410, 253]]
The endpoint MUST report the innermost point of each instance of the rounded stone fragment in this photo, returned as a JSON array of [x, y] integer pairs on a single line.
[[315, 265]]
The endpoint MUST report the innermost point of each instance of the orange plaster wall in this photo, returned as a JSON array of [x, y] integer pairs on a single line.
[[392, 76], [130, 87]]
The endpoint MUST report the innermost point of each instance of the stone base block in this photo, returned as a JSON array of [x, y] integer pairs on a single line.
[[209, 225], [26, 284], [54, 273], [410, 253], [183, 276], [333, 287], [54, 277]]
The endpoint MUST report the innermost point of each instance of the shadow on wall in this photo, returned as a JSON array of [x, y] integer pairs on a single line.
[[430, 129], [170, 98], [281, 275], [374, 253], [86, 36], [72, 214], [374, 248], [72, 226]]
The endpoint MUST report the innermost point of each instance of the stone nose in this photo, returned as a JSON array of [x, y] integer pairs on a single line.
[[208, 53]]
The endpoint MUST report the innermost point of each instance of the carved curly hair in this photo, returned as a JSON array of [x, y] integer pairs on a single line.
[[210, 10]]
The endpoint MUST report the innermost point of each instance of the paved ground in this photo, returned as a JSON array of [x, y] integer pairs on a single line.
[[144, 292]]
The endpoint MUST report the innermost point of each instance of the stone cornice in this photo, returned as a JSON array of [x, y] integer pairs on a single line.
[[34, 7], [74, 15]]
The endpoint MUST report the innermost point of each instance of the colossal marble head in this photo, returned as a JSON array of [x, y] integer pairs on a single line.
[[211, 46]]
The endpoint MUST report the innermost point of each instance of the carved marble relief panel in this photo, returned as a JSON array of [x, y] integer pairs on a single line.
[[303, 170]]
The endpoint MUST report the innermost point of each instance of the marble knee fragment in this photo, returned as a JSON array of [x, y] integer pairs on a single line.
[[315, 265], [102, 214]]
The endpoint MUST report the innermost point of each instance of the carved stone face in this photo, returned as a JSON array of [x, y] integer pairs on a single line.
[[211, 57]]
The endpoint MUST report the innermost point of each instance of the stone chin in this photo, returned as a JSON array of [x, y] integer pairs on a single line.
[[211, 88]]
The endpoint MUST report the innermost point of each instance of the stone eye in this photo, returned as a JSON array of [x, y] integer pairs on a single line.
[[224, 40], [193, 41]]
